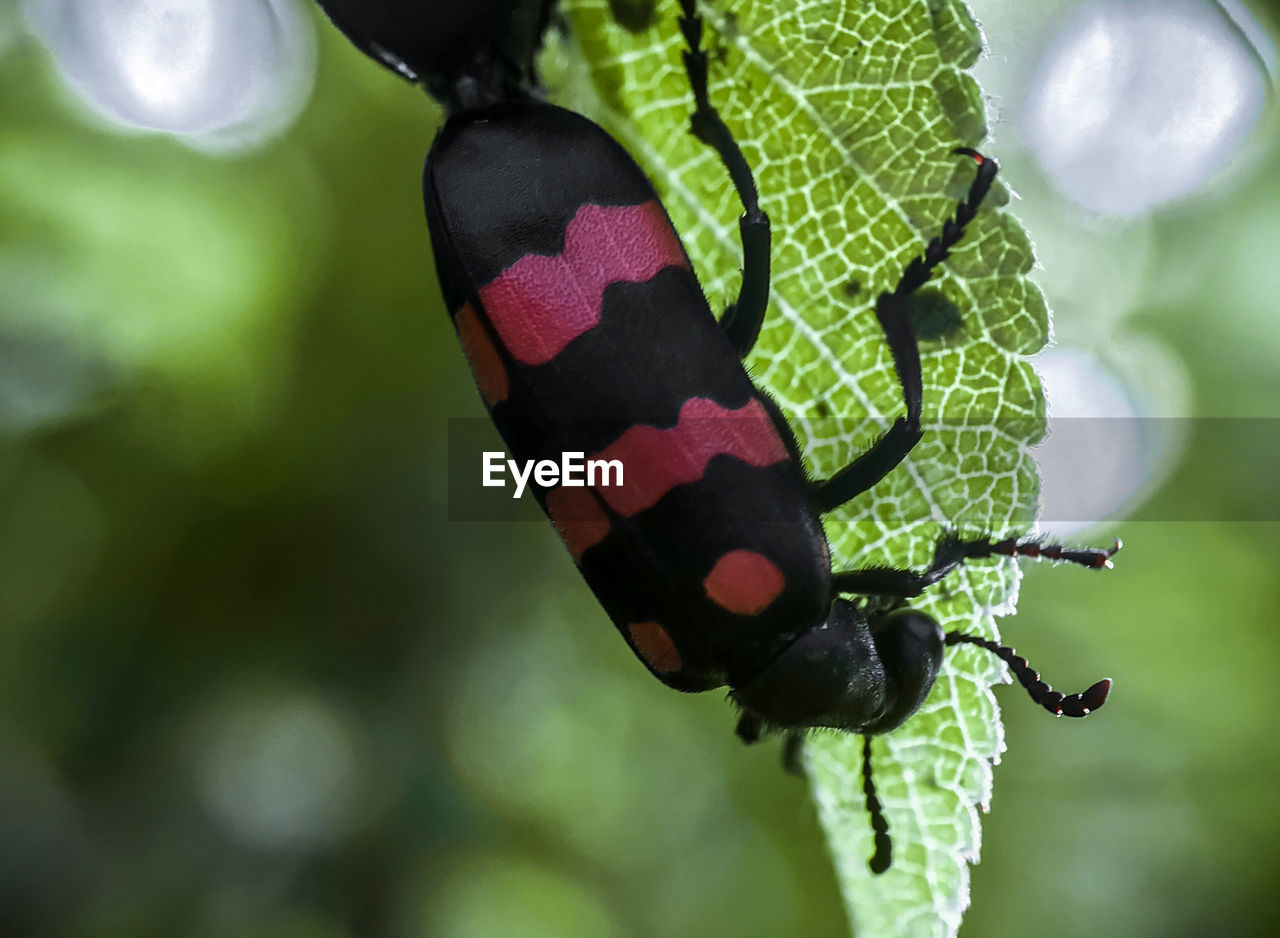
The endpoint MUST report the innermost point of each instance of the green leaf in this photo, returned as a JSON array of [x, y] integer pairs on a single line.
[[848, 113]]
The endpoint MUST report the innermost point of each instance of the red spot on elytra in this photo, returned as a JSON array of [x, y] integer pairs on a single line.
[[540, 304], [486, 363], [655, 646], [744, 582], [579, 518], [655, 461]]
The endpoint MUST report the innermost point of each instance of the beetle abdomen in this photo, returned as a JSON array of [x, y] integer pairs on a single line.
[[588, 332]]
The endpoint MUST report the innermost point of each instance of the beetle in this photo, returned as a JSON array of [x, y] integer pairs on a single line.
[[588, 332]]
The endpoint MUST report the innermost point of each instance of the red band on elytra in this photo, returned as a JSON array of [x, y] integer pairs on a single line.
[[540, 304], [578, 518], [655, 646], [482, 355], [655, 461]]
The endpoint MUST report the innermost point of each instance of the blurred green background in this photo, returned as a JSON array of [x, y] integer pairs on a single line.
[[252, 682]]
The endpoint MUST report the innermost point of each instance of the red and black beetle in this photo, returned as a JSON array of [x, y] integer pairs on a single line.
[[587, 331]]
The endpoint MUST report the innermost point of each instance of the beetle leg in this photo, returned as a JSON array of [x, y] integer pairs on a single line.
[[749, 728], [793, 753], [742, 319], [894, 313]]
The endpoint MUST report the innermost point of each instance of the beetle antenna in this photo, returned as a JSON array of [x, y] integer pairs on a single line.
[[883, 855], [1071, 705]]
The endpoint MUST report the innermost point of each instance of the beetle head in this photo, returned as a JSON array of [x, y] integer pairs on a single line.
[[854, 672]]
